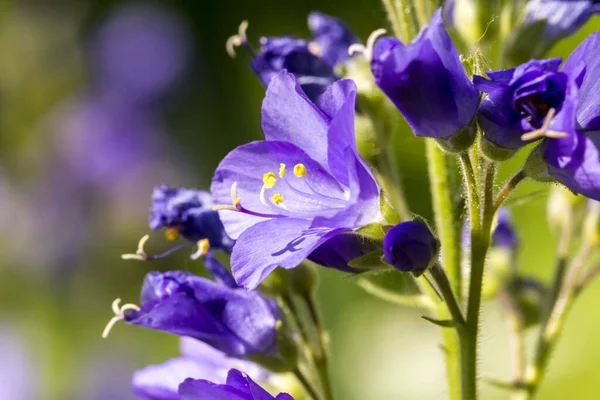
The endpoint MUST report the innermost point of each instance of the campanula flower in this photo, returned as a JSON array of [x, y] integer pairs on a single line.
[[237, 322], [545, 22], [311, 61], [298, 188], [427, 82], [199, 361], [188, 212], [410, 247], [239, 386]]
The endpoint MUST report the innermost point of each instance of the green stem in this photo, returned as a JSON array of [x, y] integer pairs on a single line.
[[400, 29], [390, 296], [321, 356], [306, 384], [440, 278], [480, 237], [552, 328], [447, 229], [508, 188]]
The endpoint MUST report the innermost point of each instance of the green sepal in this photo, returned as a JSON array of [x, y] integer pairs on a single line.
[[392, 280], [387, 211], [372, 232], [460, 141], [494, 152], [370, 261], [444, 323], [536, 167]]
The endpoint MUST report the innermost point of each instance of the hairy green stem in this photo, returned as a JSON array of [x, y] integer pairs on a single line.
[[508, 188], [448, 234], [552, 328], [390, 296], [321, 356], [443, 284]]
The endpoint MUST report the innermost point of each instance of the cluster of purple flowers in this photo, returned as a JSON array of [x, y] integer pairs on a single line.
[[305, 192]]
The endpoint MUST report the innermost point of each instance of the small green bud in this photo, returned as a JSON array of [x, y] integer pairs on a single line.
[[530, 295], [276, 283]]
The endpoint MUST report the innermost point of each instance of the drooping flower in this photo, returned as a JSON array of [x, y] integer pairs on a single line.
[[198, 361], [235, 321], [311, 62], [427, 82], [239, 386], [298, 188], [410, 247], [188, 212], [545, 22]]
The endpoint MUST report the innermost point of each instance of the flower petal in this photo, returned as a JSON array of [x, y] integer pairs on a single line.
[[284, 242]]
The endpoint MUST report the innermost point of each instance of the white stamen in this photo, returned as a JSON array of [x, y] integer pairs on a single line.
[[237, 40], [543, 131], [119, 315], [366, 51], [140, 253]]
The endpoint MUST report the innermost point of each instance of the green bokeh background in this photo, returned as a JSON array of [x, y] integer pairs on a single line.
[[379, 351]]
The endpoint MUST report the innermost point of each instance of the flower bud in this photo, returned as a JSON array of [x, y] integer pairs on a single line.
[[564, 207], [303, 279], [410, 247], [530, 295]]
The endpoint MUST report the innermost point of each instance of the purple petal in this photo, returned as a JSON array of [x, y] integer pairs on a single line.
[[409, 246], [332, 36], [284, 242]]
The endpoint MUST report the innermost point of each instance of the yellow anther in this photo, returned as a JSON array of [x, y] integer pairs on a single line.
[[171, 234], [269, 179], [299, 170], [203, 246], [281, 170], [278, 324], [277, 198]]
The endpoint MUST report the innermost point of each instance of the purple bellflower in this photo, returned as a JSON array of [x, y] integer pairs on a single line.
[[311, 62], [188, 212], [410, 247], [427, 82], [198, 361], [239, 386], [298, 188], [536, 100], [237, 322]]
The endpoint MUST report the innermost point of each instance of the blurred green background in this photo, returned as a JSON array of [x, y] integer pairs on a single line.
[[77, 167]]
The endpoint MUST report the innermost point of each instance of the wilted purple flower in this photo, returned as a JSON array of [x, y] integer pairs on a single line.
[[140, 52], [198, 361], [311, 62], [504, 235], [298, 188], [427, 82], [239, 386], [234, 321], [189, 212], [410, 246]]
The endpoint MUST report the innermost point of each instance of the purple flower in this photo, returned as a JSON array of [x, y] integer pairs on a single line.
[[298, 188], [504, 235], [338, 251], [558, 18], [427, 82], [574, 160], [311, 62], [519, 100], [198, 360], [410, 247], [190, 213], [234, 321], [140, 52], [239, 386]]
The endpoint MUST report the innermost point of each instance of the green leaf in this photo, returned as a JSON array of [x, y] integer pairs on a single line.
[[369, 261], [372, 231], [389, 214], [445, 323]]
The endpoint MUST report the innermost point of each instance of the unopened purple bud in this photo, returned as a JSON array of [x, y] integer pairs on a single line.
[[410, 246]]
